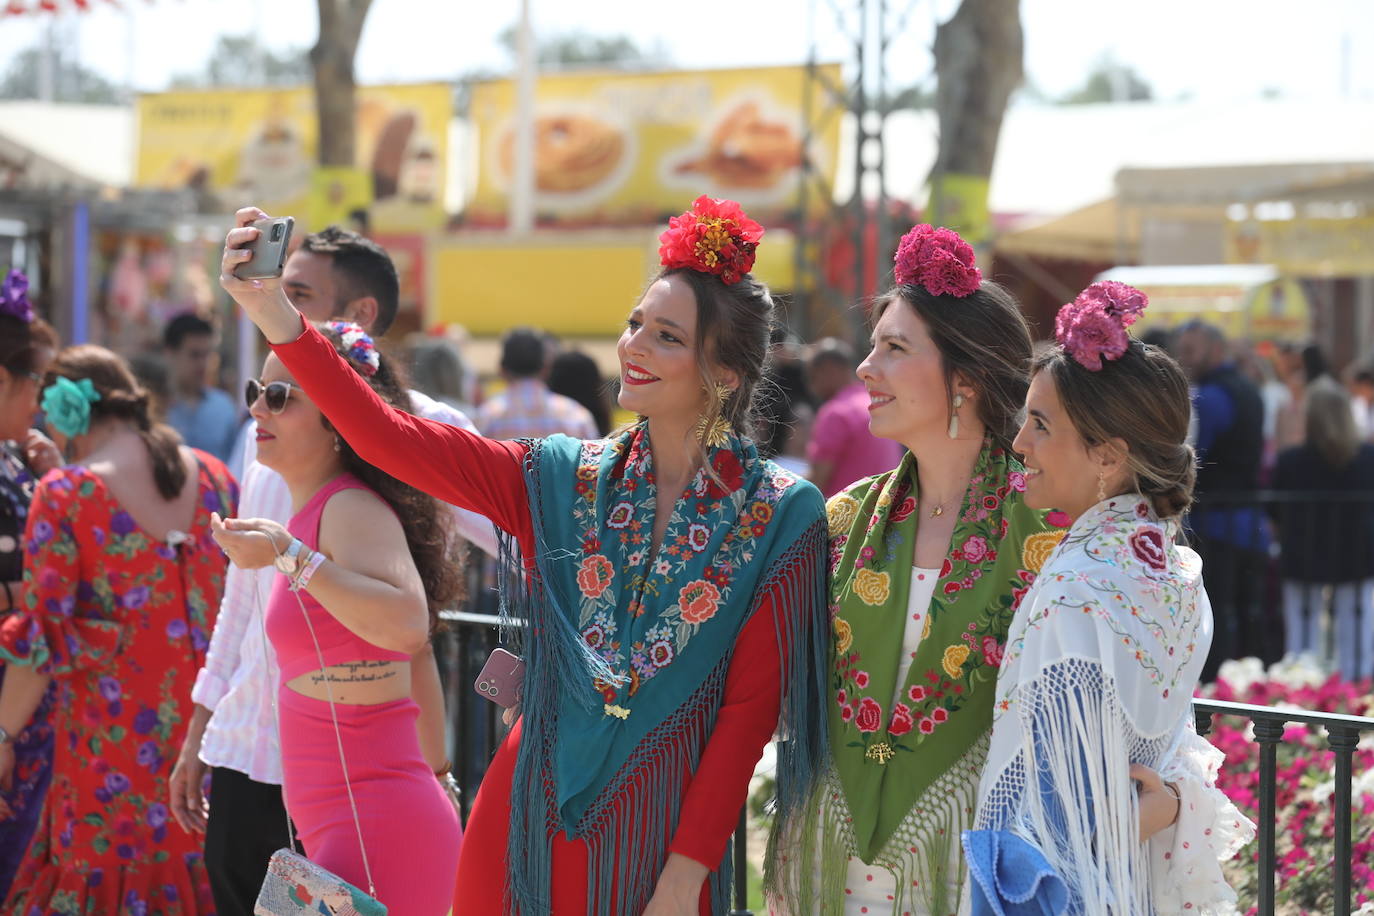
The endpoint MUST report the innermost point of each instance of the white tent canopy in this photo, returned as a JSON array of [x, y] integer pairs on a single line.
[[69, 145]]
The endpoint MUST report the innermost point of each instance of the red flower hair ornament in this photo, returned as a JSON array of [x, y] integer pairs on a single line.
[[1092, 328], [937, 259], [714, 237]]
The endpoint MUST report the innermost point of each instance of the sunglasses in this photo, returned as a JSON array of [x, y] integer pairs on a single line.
[[276, 394]]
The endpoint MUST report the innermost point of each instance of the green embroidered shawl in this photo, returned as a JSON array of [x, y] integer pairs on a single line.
[[891, 744]]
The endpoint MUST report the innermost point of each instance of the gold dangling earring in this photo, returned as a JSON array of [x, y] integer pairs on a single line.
[[954, 416], [1101, 485], [713, 430]]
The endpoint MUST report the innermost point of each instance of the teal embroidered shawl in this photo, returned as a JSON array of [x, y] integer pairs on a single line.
[[627, 652]]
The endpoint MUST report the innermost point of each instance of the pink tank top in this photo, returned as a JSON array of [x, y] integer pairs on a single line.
[[286, 626]]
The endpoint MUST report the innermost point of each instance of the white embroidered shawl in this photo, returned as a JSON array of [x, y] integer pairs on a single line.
[[1099, 671]]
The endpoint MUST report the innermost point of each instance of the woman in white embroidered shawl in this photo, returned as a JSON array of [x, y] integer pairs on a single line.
[[1107, 646]]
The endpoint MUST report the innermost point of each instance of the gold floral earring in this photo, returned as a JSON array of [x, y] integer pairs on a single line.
[[713, 430], [1101, 485]]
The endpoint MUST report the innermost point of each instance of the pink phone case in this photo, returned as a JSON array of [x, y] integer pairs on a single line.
[[501, 678]]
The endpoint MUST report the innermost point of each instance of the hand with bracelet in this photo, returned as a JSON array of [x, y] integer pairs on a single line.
[[252, 543]]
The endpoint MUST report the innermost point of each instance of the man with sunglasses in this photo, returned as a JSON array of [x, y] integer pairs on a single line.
[[334, 274]]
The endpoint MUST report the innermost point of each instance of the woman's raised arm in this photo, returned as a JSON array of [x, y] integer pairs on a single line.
[[264, 301], [454, 465]]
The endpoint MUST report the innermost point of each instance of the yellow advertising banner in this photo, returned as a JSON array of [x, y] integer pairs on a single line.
[[600, 275], [635, 147], [259, 146], [1305, 246]]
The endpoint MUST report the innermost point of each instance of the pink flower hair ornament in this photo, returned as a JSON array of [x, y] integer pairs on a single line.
[[1092, 328], [938, 260], [714, 237]]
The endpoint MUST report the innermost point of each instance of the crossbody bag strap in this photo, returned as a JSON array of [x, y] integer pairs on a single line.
[[333, 715]]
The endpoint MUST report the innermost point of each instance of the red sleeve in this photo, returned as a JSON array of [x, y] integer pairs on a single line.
[[451, 464], [746, 721]]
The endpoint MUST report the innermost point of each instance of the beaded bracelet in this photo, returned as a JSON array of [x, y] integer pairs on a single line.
[[302, 578]]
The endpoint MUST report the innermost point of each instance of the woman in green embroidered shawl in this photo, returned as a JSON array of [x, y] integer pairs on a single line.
[[927, 564]]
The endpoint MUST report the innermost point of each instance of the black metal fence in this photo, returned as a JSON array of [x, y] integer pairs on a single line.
[[1343, 734]]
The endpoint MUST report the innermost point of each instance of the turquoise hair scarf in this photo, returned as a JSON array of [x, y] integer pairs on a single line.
[[627, 652]]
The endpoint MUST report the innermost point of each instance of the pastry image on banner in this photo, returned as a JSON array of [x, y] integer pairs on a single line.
[[581, 156], [396, 150], [274, 164], [748, 150]]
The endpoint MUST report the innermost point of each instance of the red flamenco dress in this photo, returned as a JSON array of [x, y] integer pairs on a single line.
[[122, 622], [487, 477]]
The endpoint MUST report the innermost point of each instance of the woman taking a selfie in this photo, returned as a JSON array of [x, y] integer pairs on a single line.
[[365, 571], [672, 583], [1106, 648]]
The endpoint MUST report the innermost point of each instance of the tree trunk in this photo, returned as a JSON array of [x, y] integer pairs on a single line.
[[977, 66], [341, 25]]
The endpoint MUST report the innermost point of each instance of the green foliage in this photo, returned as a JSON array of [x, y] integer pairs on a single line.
[[71, 82], [242, 61], [1110, 81], [580, 49]]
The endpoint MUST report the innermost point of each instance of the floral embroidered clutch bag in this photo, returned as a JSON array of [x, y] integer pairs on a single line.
[[294, 885]]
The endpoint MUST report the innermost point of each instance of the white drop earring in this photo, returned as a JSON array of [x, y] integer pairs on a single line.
[[954, 416]]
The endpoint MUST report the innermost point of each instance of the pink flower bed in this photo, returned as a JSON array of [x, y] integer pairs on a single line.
[[1305, 826]]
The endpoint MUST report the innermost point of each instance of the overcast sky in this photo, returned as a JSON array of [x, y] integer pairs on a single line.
[[1211, 49]]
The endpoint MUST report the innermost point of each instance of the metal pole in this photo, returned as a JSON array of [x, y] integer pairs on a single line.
[[1343, 741], [1268, 734], [521, 216], [81, 259], [47, 63], [861, 137], [741, 867], [880, 236]]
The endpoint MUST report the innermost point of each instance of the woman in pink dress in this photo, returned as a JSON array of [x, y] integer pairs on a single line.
[[365, 569]]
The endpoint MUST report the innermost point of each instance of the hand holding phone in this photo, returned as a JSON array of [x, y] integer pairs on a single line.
[[269, 249], [502, 678]]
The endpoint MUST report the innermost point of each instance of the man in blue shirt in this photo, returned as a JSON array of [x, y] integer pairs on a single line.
[[1228, 525], [205, 416]]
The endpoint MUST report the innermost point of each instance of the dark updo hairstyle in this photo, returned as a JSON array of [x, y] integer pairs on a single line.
[[423, 518], [982, 338], [1143, 400], [734, 322], [122, 397], [23, 342]]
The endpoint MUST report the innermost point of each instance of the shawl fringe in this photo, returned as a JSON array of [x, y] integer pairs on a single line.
[[628, 827]]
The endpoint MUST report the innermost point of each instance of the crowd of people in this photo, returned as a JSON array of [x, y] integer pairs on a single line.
[[1285, 517], [948, 576]]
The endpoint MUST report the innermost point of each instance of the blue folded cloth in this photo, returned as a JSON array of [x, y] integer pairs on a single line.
[[1011, 877]]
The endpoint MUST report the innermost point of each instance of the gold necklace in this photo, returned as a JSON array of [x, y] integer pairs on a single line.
[[939, 509]]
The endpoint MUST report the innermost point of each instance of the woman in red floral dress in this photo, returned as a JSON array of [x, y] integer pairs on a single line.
[[117, 610]]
